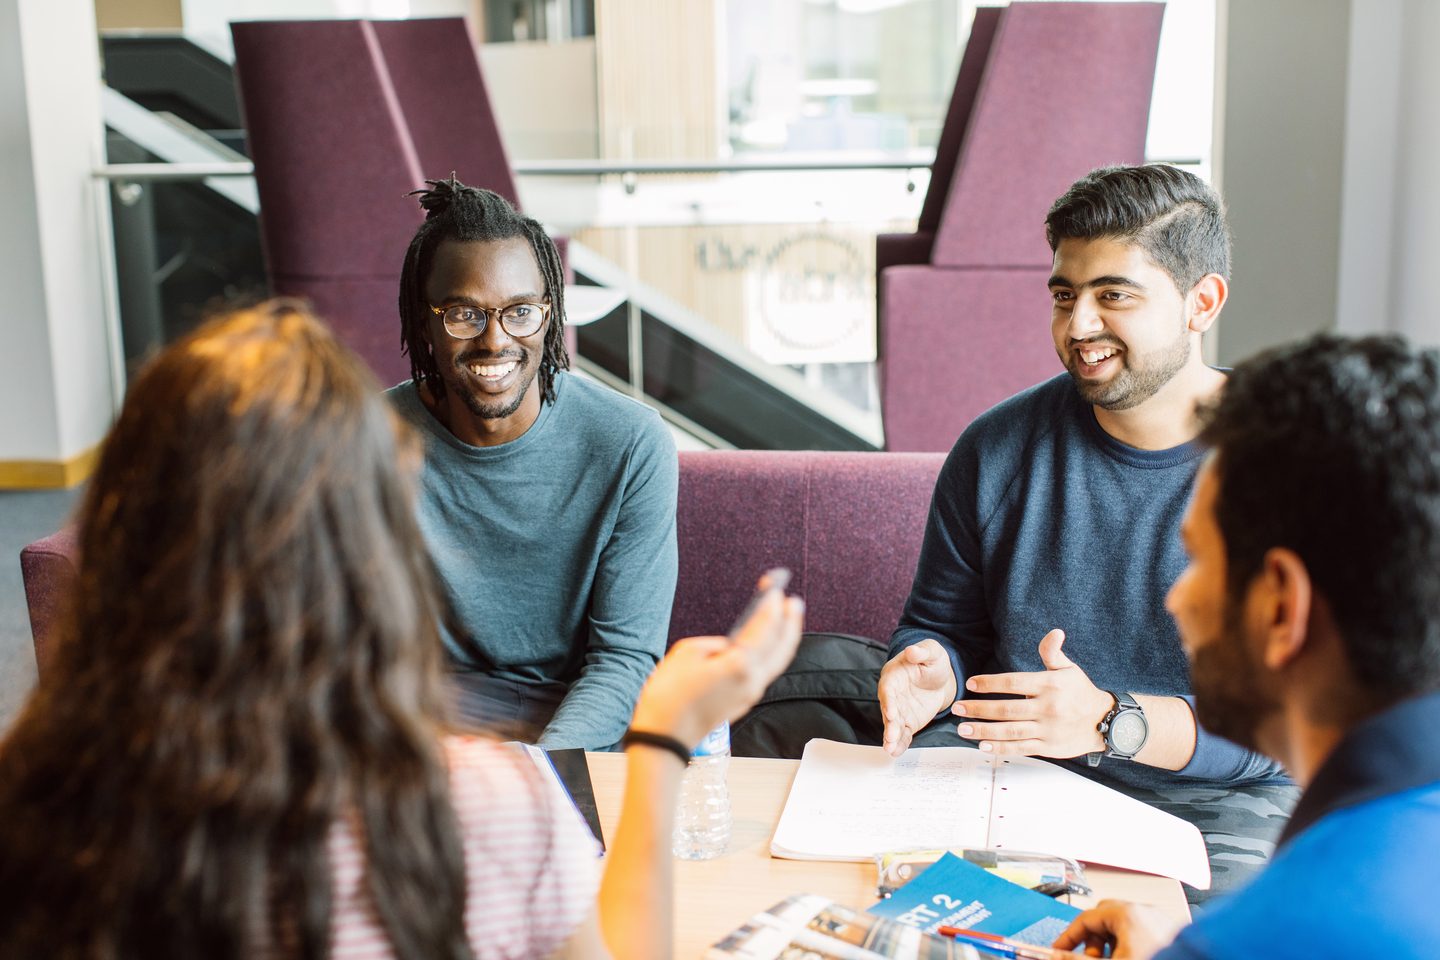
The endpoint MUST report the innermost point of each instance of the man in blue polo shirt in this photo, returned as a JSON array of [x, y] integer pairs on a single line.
[[1310, 612]]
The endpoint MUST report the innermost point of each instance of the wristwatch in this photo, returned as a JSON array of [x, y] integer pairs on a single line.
[[1125, 729]]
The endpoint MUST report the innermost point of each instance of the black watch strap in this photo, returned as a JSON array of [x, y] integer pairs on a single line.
[[1123, 702], [1125, 705]]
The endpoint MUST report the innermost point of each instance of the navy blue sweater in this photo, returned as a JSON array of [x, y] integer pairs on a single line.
[[1041, 519]]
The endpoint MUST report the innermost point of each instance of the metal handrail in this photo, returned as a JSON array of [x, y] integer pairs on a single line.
[[911, 160], [558, 168], [175, 172], [181, 172]]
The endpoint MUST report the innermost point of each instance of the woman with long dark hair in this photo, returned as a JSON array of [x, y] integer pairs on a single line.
[[241, 748]]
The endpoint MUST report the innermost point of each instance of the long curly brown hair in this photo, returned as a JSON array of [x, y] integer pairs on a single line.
[[251, 658]]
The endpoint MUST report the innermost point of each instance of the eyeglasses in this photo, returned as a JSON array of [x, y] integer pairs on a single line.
[[465, 321]]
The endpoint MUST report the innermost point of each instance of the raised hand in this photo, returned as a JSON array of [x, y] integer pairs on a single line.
[[1058, 716], [705, 680], [915, 687]]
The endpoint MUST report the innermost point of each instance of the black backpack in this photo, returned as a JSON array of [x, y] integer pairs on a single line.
[[828, 692]]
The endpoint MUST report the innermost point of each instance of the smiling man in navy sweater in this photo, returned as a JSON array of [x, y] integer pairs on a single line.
[[1036, 623]]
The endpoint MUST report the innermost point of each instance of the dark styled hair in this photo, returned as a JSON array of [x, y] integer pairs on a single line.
[[1174, 216], [454, 211], [250, 660], [1331, 448]]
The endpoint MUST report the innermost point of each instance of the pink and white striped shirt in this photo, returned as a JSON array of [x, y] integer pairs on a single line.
[[531, 863]]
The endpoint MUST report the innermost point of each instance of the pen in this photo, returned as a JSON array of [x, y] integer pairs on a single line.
[[999, 945]]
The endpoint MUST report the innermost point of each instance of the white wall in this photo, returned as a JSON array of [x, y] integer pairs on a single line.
[[29, 429], [1280, 165], [1364, 301], [1417, 202], [55, 374], [1328, 139], [544, 97]]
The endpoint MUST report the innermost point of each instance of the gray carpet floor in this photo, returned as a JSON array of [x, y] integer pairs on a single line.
[[24, 516]]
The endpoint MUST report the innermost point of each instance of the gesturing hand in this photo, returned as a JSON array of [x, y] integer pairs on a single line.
[[705, 680], [1131, 930], [915, 686], [1057, 717]]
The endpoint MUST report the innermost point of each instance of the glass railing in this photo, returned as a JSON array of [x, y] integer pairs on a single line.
[[745, 323], [768, 263], [747, 314], [747, 307]]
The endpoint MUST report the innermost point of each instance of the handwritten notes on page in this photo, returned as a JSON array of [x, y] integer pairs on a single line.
[[851, 802]]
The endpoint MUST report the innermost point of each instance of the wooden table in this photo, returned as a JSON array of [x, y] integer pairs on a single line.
[[713, 897]]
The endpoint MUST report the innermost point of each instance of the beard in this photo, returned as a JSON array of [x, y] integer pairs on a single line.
[[1133, 385], [457, 380], [1232, 699]]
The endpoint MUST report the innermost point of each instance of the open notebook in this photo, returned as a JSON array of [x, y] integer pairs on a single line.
[[851, 802]]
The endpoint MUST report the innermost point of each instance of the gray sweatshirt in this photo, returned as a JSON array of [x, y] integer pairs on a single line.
[[557, 550]]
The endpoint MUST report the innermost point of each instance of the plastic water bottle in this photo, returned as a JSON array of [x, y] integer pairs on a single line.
[[702, 820]]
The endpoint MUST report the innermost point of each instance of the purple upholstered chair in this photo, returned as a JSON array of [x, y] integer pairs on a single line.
[[903, 249], [48, 568], [848, 524], [344, 118], [963, 307]]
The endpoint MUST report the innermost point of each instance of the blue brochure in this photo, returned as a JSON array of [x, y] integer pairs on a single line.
[[953, 893]]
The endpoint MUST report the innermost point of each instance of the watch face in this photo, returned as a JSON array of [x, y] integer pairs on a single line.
[[1128, 732]]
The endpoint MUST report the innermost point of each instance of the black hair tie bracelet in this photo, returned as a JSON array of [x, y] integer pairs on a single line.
[[660, 740]]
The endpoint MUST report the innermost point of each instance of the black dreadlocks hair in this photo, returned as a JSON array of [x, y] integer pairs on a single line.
[[454, 211]]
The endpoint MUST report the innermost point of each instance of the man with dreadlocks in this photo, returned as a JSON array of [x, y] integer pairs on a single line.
[[548, 501]]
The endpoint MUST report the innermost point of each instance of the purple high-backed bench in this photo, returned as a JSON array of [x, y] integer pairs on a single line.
[[962, 303], [848, 525], [343, 119], [48, 569]]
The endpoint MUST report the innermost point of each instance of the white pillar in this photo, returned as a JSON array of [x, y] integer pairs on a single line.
[[1417, 203], [1280, 119], [1364, 296], [56, 383]]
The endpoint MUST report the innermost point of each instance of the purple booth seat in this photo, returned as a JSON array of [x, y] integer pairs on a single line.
[[344, 118], [1006, 347], [435, 70], [1035, 107], [848, 524], [48, 568], [333, 162]]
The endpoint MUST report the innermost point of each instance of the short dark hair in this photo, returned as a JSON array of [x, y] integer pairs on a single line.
[[1174, 216], [454, 211], [1331, 448]]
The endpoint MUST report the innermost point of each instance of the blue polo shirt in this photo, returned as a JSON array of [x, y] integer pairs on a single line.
[[1356, 871]]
